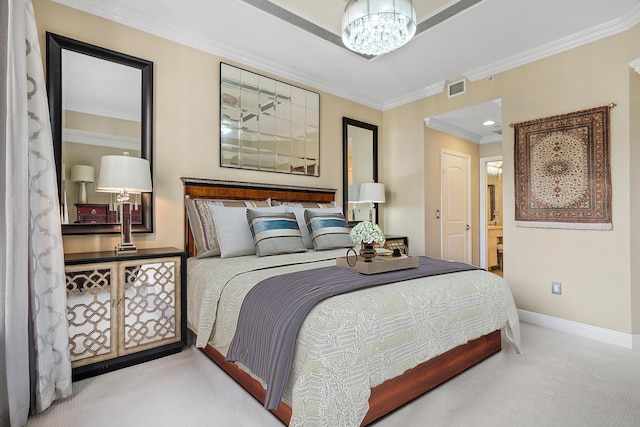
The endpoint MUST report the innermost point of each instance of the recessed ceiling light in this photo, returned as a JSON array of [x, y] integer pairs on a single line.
[[489, 123]]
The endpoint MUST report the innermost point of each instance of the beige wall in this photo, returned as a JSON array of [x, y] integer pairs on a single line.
[[634, 111], [101, 124], [491, 149], [84, 154], [401, 169], [593, 266], [186, 98], [74, 153]]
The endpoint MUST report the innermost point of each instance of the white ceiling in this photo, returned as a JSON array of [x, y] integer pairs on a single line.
[[104, 88], [468, 123], [328, 13], [299, 39]]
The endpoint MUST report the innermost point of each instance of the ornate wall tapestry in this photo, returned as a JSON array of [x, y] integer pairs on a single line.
[[562, 171]]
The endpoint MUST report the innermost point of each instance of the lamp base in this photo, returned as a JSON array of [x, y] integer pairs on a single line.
[[82, 194], [126, 244], [126, 247]]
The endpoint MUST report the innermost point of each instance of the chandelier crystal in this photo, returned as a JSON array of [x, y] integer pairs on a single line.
[[375, 27]]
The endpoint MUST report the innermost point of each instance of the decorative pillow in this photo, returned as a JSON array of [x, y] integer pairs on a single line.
[[200, 217], [234, 236], [327, 230], [307, 205], [275, 233], [302, 223]]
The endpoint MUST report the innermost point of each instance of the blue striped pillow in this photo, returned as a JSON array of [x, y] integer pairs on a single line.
[[275, 233], [327, 230]]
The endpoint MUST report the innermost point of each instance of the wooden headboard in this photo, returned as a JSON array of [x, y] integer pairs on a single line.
[[233, 190]]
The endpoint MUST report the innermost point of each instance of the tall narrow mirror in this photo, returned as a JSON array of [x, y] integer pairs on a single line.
[[360, 165], [101, 103]]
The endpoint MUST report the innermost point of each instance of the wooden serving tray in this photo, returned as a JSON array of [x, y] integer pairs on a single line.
[[379, 264]]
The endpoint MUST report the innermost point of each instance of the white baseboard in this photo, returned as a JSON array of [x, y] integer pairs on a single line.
[[581, 329]]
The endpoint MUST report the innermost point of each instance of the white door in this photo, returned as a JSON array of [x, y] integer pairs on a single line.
[[456, 206]]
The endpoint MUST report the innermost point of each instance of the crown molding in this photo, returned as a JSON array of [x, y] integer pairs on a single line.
[[596, 33], [100, 139], [635, 64], [441, 126], [433, 89], [490, 139]]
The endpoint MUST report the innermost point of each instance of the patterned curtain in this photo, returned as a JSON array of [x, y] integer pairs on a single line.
[[35, 360]]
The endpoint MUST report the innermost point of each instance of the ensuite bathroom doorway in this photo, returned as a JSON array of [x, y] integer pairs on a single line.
[[493, 215]]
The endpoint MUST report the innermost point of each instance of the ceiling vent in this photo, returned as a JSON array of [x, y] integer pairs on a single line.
[[457, 88]]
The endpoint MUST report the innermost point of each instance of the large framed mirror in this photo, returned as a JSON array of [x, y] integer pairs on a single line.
[[268, 125], [101, 103], [360, 165]]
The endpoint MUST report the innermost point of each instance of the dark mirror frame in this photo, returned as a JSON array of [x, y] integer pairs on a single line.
[[55, 44], [346, 122]]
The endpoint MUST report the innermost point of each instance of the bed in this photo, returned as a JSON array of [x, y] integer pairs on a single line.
[[358, 356]]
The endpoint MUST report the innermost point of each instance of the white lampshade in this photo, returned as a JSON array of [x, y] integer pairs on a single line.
[[82, 173], [372, 192], [124, 174]]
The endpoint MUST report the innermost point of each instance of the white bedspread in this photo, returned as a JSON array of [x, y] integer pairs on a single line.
[[353, 342]]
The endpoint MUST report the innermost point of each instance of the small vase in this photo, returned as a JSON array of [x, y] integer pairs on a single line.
[[367, 252]]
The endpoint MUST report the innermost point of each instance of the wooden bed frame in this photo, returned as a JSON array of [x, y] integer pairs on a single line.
[[389, 395]]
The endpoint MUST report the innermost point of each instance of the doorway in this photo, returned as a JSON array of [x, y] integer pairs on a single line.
[[491, 215], [480, 124]]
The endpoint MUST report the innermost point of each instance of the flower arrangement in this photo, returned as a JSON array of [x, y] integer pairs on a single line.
[[366, 232]]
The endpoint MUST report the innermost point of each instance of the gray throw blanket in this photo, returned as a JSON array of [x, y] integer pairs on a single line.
[[274, 309]]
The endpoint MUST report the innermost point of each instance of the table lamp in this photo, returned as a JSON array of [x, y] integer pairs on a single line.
[[124, 175], [82, 174], [372, 193]]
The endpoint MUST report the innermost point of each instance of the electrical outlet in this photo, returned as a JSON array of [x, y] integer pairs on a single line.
[[556, 288]]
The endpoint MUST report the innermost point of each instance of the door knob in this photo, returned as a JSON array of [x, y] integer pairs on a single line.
[[468, 227]]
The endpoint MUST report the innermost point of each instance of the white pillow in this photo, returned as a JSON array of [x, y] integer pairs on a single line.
[[302, 224], [234, 235]]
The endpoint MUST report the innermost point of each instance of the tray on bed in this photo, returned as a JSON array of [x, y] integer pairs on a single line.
[[380, 264]]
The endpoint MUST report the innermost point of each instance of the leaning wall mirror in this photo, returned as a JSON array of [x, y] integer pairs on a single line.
[[360, 165], [101, 103]]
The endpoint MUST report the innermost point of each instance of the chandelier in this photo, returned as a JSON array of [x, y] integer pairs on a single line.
[[374, 27]]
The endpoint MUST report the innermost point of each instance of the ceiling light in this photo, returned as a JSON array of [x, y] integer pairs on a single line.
[[375, 27], [489, 123]]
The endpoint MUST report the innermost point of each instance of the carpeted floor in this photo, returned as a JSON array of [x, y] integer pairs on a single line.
[[559, 380]]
